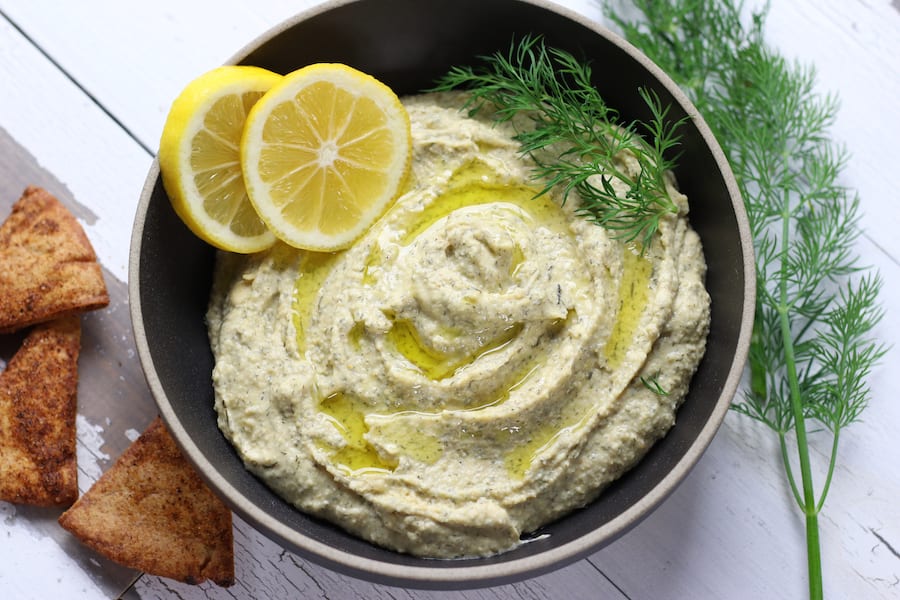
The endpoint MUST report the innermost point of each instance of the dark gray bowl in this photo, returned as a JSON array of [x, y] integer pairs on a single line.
[[407, 43]]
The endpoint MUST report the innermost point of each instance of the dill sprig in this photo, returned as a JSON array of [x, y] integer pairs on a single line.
[[811, 350], [574, 138]]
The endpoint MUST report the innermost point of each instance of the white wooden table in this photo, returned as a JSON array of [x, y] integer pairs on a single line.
[[84, 90]]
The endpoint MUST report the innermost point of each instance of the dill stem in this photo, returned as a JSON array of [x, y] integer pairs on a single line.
[[831, 465], [782, 441], [809, 507]]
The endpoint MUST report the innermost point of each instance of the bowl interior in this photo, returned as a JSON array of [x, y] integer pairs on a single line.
[[407, 44]]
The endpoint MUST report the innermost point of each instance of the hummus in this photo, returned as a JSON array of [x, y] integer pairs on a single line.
[[474, 367]]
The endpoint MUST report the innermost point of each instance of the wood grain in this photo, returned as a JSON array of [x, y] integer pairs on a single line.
[[112, 395], [91, 113]]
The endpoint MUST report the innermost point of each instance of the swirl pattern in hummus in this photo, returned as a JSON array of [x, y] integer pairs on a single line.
[[470, 369]]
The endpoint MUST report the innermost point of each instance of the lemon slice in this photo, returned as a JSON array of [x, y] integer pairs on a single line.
[[199, 157], [323, 153]]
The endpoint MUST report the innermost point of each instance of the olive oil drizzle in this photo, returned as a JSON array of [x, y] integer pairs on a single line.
[[314, 269], [633, 295], [471, 185], [358, 456], [520, 458], [347, 415], [474, 185], [632, 300], [435, 364]]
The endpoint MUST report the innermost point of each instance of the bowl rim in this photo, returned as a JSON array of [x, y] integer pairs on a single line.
[[468, 576]]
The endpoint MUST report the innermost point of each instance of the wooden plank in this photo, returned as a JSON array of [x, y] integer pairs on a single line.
[[72, 137], [250, 542], [40, 106], [854, 47], [60, 110], [147, 51], [730, 530], [150, 50], [113, 401], [272, 572]]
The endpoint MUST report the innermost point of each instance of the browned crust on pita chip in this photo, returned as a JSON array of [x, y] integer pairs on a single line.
[[38, 392], [151, 511], [48, 268]]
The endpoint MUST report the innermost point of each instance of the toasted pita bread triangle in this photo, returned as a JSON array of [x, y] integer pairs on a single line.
[[48, 268], [151, 511], [38, 392]]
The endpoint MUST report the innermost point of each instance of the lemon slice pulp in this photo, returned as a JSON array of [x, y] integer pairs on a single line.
[[199, 157], [323, 154]]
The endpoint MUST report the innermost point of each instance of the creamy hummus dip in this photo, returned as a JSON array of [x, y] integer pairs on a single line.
[[475, 366]]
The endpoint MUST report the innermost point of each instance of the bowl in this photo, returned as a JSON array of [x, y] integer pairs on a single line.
[[407, 44]]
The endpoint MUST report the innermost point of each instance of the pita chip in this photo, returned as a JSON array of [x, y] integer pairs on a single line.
[[48, 268], [151, 511], [38, 392]]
